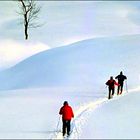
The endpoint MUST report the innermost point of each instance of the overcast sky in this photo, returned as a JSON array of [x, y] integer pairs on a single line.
[[64, 22], [70, 21]]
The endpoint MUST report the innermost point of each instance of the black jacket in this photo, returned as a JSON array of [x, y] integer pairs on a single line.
[[121, 78]]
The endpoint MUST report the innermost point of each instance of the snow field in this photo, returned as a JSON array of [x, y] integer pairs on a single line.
[[81, 117], [36, 88], [33, 113], [117, 119]]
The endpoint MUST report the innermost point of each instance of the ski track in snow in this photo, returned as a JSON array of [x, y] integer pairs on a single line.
[[81, 116], [83, 113]]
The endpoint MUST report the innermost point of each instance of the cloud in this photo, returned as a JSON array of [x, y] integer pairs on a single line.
[[8, 10], [134, 16], [72, 21], [12, 52]]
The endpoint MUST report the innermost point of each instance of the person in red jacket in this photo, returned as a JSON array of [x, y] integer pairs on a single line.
[[111, 86], [67, 114]]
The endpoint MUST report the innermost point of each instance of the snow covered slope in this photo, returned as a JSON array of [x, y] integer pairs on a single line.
[[13, 52], [118, 119], [76, 73], [34, 113], [85, 64]]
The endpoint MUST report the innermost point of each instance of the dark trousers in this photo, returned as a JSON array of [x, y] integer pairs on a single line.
[[111, 92], [120, 89], [66, 127]]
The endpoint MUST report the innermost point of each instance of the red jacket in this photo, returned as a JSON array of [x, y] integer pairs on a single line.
[[112, 83], [66, 112]]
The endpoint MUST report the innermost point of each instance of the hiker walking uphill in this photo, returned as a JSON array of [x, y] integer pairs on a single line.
[[111, 87], [67, 114], [121, 79]]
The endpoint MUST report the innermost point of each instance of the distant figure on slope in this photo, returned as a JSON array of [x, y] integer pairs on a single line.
[[111, 86], [121, 79], [67, 114]]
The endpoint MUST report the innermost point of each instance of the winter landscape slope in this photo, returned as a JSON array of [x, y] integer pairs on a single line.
[[76, 73], [34, 114], [85, 64], [118, 119]]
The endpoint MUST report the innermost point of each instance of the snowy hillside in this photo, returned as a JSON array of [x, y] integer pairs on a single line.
[[33, 114], [85, 64], [13, 52], [118, 119], [76, 73]]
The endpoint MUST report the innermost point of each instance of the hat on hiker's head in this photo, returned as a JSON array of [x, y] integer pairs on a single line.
[[111, 77], [65, 103], [121, 73]]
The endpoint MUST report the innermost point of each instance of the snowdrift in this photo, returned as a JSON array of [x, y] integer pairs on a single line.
[[84, 64]]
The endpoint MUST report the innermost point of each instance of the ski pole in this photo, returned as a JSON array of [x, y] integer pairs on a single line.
[[126, 86], [57, 127], [76, 129]]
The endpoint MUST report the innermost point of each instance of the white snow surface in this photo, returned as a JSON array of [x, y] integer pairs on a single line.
[[116, 119], [32, 92], [34, 114], [85, 64], [13, 52]]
